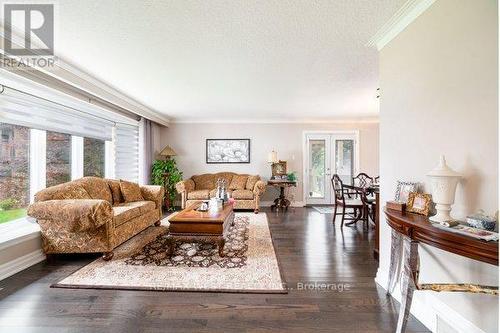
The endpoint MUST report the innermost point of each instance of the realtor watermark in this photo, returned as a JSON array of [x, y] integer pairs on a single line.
[[29, 35], [256, 286]]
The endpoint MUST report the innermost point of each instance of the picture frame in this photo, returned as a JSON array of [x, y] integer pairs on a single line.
[[227, 151], [403, 189], [419, 203], [279, 169]]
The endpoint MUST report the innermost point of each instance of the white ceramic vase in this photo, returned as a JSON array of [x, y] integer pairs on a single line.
[[443, 185]]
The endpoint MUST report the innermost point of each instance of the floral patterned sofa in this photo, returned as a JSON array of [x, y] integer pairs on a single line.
[[245, 189], [94, 215]]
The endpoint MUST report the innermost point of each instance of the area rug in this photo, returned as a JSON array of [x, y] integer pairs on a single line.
[[250, 264], [324, 209]]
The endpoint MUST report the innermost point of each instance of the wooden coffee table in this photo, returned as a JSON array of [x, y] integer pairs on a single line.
[[191, 225]]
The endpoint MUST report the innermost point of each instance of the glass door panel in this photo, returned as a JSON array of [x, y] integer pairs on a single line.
[[327, 154], [344, 159], [317, 167], [318, 155]]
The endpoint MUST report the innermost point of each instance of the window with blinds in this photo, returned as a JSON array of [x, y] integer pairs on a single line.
[[100, 145], [126, 152], [23, 109], [45, 143]]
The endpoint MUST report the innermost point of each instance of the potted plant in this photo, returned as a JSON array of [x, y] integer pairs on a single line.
[[166, 174]]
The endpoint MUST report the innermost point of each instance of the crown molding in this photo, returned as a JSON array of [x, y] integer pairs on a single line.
[[72, 75], [99, 92], [360, 120], [398, 22]]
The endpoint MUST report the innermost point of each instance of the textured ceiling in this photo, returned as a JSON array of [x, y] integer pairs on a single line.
[[233, 59]]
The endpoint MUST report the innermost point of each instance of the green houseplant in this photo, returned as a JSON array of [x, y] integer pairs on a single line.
[[166, 174], [292, 176]]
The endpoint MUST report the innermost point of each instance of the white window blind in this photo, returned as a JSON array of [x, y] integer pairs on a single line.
[[27, 110], [126, 145]]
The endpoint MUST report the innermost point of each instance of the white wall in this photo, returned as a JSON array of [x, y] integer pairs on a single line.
[[438, 81], [188, 140]]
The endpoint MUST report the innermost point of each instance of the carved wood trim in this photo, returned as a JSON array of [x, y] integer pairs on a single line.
[[419, 228]]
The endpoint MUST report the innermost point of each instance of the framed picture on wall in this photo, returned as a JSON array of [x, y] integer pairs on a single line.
[[222, 151]]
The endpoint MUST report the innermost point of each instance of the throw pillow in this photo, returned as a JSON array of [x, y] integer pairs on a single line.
[[131, 191], [238, 182], [116, 192], [252, 180]]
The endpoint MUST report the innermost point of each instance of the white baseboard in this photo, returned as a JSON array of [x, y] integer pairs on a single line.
[[428, 315], [294, 204], [14, 266]]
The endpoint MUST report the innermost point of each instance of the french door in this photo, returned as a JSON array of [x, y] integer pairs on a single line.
[[327, 154]]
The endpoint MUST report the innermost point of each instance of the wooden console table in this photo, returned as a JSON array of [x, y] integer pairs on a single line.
[[408, 230]]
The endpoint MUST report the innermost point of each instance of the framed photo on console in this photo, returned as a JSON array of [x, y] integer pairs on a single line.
[[222, 151], [403, 189], [419, 203]]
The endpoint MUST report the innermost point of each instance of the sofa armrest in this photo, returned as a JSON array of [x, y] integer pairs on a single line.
[[153, 193], [259, 188], [185, 186], [73, 215]]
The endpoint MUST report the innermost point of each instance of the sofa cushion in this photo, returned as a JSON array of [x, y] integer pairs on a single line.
[[242, 195], [204, 182], [214, 192], [251, 181], [131, 191], [63, 191], [238, 182], [227, 176], [116, 192], [129, 210], [96, 187], [72, 192], [198, 195]]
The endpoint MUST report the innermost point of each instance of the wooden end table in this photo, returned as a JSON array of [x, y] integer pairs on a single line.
[[281, 202], [191, 225]]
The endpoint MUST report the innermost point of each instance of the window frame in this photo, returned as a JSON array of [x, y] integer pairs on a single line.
[[38, 176]]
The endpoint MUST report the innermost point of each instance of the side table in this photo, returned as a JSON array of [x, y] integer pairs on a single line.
[[281, 202]]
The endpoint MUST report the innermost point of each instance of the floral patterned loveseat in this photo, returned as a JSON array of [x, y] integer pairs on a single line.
[[245, 189], [92, 214]]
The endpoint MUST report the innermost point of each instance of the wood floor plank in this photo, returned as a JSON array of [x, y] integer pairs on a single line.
[[310, 249]]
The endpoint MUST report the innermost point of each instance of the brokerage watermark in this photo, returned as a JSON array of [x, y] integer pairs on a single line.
[[322, 286], [29, 35]]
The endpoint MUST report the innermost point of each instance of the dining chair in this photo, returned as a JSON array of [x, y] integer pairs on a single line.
[[362, 180], [369, 207], [344, 202]]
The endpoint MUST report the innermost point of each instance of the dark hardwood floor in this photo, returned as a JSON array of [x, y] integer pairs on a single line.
[[310, 251]]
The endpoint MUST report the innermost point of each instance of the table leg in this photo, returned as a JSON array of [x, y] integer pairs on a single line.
[[395, 263], [220, 243], [281, 202], [408, 281], [170, 245]]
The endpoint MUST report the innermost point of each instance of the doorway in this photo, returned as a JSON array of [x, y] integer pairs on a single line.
[[326, 154]]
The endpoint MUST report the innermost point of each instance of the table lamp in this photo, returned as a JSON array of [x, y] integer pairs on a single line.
[[168, 152], [272, 157]]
